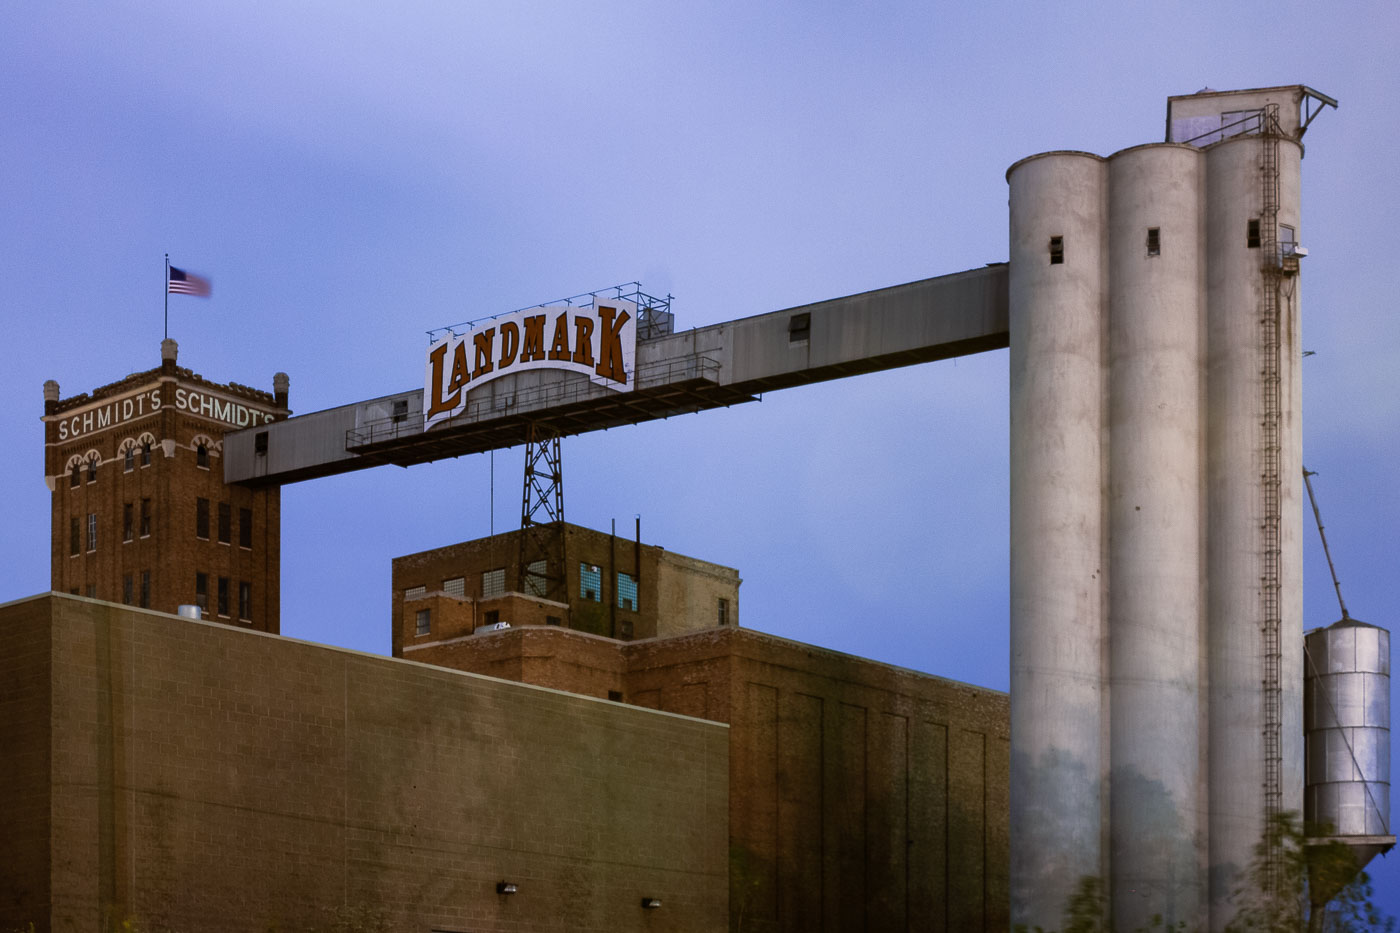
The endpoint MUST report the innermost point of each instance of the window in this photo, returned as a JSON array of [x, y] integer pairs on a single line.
[[128, 589], [145, 518], [92, 471], [201, 518], [145, 453], [127, 520], [92, 591], [1057, 250], [457, 586], [493, 616], [201, 456], [129, 460], [260, 444], [245, 600], [201, 591], [74, 538], [73, 478], [723, 611], [245, 528], [590, 582], [615, 696], [223, 597], [415, 592], [1154, 241], [493, 583], [145, 589], [799, 327], [626, 592], [1287, 239], [400, 410], [424, 622], [225, 523], [553, 620], [92, 531], [1251, 236], [536, 578]]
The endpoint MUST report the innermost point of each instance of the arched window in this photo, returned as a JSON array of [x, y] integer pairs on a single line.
[[129, 458], [145, 453], [201, 456], [92, 471], [73, 479]]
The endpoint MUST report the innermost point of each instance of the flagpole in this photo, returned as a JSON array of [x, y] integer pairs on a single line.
[[167, 296]]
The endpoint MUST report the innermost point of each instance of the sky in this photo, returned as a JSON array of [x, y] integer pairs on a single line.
[[351, 176]]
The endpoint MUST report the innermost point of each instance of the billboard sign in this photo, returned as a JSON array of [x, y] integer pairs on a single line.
[[598, 341]]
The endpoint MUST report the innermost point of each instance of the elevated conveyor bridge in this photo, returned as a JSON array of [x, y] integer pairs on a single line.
[[707, 367]]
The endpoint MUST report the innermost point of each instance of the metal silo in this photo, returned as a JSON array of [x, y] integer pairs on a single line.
[[1346, 690]]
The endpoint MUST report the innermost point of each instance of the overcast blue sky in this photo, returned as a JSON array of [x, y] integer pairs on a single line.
[[351, 176]]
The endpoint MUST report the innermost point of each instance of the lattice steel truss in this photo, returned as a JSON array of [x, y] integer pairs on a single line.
[[541, 568]]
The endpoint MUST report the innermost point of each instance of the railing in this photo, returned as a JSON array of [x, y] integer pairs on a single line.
[[654, 318]]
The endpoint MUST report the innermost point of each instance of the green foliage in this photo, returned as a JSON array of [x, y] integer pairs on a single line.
[[1305, 867]]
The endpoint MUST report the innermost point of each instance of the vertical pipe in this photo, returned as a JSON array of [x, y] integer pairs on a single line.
[[1058, 681], [1156, 393]]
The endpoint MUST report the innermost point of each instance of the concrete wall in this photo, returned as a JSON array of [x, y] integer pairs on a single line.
[[215, 779]]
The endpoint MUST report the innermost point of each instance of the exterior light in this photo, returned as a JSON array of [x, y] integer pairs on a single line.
[[505, 887], [651, 903]]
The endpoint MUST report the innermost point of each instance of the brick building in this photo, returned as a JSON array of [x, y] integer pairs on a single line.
[[186, 775], [862, 795], [141, 514], [613, 586]]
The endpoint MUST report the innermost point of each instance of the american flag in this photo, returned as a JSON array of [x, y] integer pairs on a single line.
[[183, 283]]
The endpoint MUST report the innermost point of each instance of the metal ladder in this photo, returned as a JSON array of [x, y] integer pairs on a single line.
[[1271, 491]]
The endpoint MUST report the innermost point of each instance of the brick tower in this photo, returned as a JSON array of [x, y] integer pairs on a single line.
[[141, 513]]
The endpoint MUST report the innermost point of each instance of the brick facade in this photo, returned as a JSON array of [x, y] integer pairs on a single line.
[[193, 776], [863, 796], [673, 593], [141, 514]]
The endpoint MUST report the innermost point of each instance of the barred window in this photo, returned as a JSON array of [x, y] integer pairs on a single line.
[[626, 592], [92, 531], [536, 583], [590, 582], [493, 583], [415, 592], [457, 586]]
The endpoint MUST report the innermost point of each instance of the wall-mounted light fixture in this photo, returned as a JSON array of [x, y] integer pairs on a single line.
[[651, 903], [505, 887]]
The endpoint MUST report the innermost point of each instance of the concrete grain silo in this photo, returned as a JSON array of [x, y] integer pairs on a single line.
[[1156, 513]]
